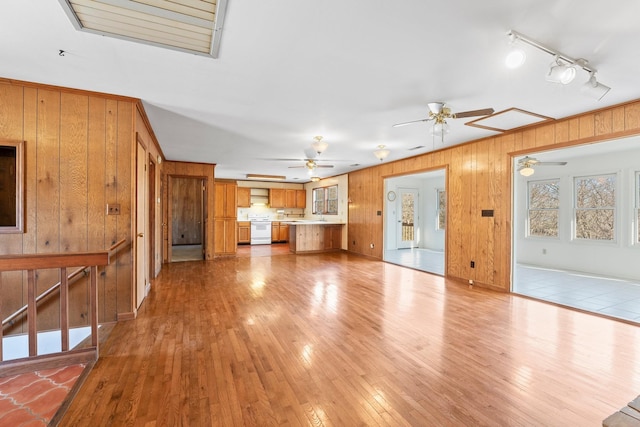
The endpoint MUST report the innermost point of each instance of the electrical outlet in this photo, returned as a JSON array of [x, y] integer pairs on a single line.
[[473, 264], [544, 251], [371, 245], [113, 208]]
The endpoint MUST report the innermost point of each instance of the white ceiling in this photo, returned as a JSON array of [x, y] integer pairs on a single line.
[[348, 70]]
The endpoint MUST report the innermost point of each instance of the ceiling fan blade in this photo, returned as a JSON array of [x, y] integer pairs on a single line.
[[551, 163], [324, 166], [411, 122], [296, 167], [474, 113]]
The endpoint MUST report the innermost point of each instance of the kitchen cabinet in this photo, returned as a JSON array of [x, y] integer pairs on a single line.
[[314, 236], [224, 230], [279, 232], [301, 199], [225, 211], [290, 198], [277, 197], [244, 197], [225, 200], [244, 232], [332, 237]]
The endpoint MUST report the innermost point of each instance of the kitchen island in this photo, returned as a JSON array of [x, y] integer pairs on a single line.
[[314, 236]]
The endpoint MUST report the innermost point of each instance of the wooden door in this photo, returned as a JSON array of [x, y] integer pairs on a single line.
[[152, 218], [187, 205]]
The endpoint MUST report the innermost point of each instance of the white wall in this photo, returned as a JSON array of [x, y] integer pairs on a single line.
[[427, 185], [618, 259], [342, 181]]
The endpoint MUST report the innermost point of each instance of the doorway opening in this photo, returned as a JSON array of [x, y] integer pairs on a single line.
[[575, 228], [415, 221], [187, 218]]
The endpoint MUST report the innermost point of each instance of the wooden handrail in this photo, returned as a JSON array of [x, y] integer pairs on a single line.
[[41, 261]]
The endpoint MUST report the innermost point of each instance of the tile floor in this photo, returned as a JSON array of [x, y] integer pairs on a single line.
[[33, 399], [607, 296], [417, 258], [611, 297]]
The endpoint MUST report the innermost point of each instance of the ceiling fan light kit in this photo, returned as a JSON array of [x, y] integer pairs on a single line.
[[527, 171], [564, 68], [381, 153], [319, 146]]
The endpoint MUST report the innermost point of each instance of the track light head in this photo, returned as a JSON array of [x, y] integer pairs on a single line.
[[594, 89], [561, 73]]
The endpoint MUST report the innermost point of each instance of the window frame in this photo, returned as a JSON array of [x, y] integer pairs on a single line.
[[614, 208], [441, 225], [528, 233], [327, 198], [19, 188]]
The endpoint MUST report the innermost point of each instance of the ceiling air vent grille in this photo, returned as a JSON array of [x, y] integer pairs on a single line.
[[192, 26]]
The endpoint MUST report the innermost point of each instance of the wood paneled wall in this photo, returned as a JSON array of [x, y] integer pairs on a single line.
[[479, 176], [185, 169], [78, 156]]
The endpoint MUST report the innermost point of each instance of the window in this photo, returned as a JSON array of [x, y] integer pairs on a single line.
[[442, 209], [11, 187], [543, 208], [595, 207], [325, 200], [637, 207]]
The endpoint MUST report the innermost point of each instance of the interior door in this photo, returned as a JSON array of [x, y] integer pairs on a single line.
[[141, 217], [407, 235]]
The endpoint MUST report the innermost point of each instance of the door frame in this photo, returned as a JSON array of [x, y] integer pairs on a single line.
[[141, 226], [169, 209]]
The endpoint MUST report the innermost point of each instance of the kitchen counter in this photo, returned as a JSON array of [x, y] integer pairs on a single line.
[[310, 236]]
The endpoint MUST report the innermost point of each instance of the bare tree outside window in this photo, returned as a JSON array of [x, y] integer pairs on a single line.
[[544, 205], [442, 209], [595, 207]]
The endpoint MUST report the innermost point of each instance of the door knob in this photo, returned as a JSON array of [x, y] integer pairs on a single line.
[[140, 234]]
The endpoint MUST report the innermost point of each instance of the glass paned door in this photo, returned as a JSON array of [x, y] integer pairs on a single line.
[[408, 218]]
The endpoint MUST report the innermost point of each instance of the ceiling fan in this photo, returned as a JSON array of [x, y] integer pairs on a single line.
[[311, 156], [439, 113], [526, 165]]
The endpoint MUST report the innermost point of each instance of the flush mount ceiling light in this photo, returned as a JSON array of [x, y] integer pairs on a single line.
[[319, 145], [381, 153], [315, 178], [564, 68]]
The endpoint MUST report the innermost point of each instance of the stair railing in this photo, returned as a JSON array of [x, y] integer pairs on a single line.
[[33, 262]]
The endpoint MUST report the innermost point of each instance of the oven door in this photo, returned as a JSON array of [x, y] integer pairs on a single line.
[[260, 232]]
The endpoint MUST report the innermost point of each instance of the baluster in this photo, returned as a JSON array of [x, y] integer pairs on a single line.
[[64, 308], [32, 312]]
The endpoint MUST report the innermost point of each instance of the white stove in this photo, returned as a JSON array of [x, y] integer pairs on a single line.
[[260, 229]]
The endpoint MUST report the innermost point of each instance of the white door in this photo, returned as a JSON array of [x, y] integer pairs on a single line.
[[407, 233], [141, 216]]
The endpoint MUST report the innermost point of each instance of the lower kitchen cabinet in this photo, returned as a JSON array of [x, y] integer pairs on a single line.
[[279, 232], [244, 232]]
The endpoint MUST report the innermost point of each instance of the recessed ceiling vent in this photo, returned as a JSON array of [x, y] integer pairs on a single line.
[[193, 26]]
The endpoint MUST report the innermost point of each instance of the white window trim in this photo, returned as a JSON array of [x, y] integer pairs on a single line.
[[615, 208], [527, 231]]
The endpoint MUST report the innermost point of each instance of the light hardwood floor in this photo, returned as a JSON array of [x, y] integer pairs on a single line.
[[341, 340]]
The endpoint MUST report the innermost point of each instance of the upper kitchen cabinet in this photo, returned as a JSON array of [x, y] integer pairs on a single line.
[[244, 197], [301, 199], [277, 197], [225, 199]]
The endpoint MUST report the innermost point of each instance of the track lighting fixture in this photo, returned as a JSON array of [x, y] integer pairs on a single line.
[[561, 73], [595, 89], [562, 70]]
